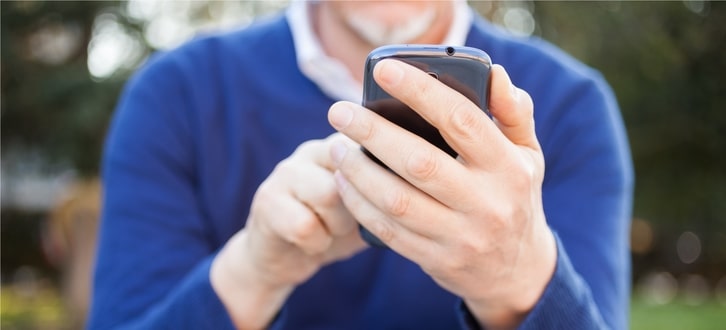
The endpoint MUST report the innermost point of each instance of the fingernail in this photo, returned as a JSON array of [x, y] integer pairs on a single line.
[[337, 152], [340, 115], [390, 72]]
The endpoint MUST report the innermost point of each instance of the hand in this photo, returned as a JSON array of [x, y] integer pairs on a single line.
[[297, 223], [474, 223]]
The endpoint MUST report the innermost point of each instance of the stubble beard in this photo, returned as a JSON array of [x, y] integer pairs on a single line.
[[377, 34]]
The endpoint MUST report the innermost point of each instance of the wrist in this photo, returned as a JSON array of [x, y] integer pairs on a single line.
[[251, 302], [528, 284]]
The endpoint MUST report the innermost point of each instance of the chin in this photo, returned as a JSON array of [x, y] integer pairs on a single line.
[[382, 23], [389, 13]]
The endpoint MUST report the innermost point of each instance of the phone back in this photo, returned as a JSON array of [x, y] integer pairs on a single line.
[[464, 69]]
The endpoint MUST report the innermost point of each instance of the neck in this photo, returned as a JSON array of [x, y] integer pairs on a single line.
[[343, 43]]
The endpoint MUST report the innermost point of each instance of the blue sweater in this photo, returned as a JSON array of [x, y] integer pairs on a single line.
[[198, 129]]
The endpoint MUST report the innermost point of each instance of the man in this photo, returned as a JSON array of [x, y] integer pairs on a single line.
[[230, 201]]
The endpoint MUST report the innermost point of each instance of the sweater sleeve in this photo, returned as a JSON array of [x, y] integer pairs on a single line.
[[587, 194], [155, 245], [566, 302]]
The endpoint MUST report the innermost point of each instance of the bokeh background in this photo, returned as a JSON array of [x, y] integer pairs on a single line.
[[64, 64]]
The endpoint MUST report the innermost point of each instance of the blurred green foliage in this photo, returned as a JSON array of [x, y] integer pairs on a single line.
[[666, 62], [667, 65], [55, 110]]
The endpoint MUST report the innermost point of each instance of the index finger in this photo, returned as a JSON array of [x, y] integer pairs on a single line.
[[464, 126], [318, 151]]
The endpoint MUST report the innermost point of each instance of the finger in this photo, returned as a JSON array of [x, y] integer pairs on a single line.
[[317, 151], [417, 161], [398, 200], [512, 109], [309, 174], [345, 247], [314, 186], [463, 125], [318, 191], [295, 223], [398, 238]]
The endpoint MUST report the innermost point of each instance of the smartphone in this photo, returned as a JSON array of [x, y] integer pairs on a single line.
[[464, 69]]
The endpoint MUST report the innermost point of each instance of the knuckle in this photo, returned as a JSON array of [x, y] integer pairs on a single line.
[[304, 229], [309, 144], [285, 167], [302, 149], [455, 264], [463, 121], [523, 175], [471, 249], [341, 227], [422, 165], [467, 252], [422, 89], [521, 180], [367, 130], [384, 231], [309, 236], [326, 194], [499, 217], [265, 194], [507, 218], [329, 198], [397, 203]]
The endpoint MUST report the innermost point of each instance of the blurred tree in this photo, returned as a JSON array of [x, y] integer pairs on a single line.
[[666, 63], [50, 103], [62, 68]]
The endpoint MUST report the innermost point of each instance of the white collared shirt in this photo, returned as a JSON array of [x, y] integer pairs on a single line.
[[331, 76]]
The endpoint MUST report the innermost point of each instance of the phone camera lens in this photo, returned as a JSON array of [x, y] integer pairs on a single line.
[[450, 51]]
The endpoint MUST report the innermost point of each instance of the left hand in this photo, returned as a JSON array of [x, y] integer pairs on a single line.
[[476, 223]]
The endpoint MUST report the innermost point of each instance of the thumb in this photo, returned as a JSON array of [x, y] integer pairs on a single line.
[[512, 109]]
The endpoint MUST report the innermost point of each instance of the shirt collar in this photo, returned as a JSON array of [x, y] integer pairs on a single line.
[[329, 74]]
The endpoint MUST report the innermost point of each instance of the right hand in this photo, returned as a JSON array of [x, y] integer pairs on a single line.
[[297, 224]]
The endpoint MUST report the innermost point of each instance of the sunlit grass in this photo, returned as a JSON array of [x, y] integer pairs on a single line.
[[41, 309], [677, 315]]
